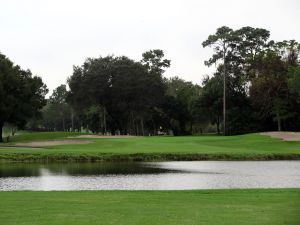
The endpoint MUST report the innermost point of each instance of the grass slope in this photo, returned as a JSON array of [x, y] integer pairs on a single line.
[[243, 147], [217, 207]]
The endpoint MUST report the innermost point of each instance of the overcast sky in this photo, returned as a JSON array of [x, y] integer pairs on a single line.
[[50, 36]]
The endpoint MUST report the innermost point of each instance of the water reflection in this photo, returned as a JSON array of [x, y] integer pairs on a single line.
[[150, 176], [78, 169]]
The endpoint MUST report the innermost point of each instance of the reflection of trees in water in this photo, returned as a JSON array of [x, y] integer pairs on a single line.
[[19, 170], [35, 169]]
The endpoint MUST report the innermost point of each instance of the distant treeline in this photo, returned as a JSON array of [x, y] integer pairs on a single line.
[[119, 95]]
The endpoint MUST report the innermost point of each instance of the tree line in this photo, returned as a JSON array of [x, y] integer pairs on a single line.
[[256, 87], [262, 81]]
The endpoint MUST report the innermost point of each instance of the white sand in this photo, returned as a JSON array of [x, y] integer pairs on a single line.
[[286, 136], [53, 143], [103, 136]]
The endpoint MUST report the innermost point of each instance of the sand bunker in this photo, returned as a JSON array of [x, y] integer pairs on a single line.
[[103, 136], [53, 143], [286, 136]]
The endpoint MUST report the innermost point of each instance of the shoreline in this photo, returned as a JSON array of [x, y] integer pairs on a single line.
[[142, 157]]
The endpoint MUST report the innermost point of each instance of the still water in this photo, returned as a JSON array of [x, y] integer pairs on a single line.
[[150, 176]]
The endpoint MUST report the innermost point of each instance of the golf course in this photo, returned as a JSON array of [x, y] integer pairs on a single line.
[[215, 207], [36, 146], [150, 112], [220, 207]]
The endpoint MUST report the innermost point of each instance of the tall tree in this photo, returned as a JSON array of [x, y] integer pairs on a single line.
[[179, 104], [246, 55], [57, 114], [221, 41], [22, 95], [125, 90], [210, 100], [272, 91]]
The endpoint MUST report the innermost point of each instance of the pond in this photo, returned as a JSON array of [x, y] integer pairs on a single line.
[[150, 175]]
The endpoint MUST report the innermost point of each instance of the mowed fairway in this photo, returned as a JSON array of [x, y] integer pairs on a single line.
[[247, 146], [218, 207]]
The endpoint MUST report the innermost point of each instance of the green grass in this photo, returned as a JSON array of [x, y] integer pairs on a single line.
[[214, 207], [243, 147]]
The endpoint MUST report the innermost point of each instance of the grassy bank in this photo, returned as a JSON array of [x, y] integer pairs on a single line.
[[214, 207], [243, 147]]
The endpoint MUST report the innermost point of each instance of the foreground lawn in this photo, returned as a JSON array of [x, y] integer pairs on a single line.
[[250, 146], [215, 207]]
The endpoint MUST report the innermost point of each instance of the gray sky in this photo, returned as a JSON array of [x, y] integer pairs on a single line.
[[50, 36]]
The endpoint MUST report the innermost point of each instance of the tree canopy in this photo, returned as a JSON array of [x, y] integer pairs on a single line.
[[255, 87], [22, 94], [121, 92], [260, 73]]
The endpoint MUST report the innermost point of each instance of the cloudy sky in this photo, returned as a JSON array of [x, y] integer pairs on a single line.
[[50, 36]]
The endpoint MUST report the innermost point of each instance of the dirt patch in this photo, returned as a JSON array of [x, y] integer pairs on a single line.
[[103, 136], [53, 143], [286, 136]]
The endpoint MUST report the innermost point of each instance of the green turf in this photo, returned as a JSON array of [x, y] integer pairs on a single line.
[[215, 207], [250, 146]]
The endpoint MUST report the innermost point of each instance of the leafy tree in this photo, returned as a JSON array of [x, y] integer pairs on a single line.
[[93, 119], [179, 104], [59, 95], [124, 91], [90, 85], [210, 100], [294, 80], [274, 90], [155, 62], [22, 95], [58, 114], [260, 78]]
